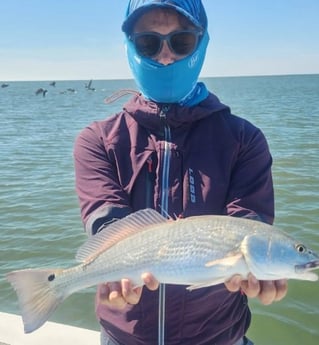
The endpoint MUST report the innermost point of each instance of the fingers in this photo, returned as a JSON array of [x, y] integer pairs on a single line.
[[130, 295], [234, 283], [267, 291], [150, 281], [110, 294], [272, 291], [251, 287], [119, 294], [282, 289]]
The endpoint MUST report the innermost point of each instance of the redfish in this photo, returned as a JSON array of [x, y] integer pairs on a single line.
[[197, 252]]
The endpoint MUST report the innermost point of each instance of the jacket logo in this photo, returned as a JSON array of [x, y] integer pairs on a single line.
[[192, 185]]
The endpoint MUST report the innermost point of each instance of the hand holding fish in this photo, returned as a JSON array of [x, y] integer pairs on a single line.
[[119, 294], [268, 291]]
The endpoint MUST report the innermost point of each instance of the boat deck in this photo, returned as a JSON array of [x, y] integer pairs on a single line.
[[11, 333]]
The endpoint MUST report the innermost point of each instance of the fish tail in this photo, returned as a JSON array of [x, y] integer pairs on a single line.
[[38, 295]]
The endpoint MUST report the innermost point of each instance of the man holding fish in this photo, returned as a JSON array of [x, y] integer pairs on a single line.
[[176, 196], [175, 148]]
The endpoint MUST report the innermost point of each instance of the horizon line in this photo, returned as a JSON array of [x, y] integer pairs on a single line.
[[132, 79]]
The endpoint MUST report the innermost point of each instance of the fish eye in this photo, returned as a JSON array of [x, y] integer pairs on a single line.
[[301, 248]]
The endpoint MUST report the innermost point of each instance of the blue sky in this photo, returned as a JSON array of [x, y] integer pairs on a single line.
[[82, 39]]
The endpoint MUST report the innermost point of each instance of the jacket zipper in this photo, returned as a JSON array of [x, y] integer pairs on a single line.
[[164, 211], [166, 162]]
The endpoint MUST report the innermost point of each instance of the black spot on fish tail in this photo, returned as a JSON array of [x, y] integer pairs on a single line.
[[51, 277]]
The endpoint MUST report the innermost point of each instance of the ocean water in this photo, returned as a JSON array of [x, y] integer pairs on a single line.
[[39, 213]]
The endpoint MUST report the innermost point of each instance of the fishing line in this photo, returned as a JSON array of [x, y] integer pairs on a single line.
[[161, 314]]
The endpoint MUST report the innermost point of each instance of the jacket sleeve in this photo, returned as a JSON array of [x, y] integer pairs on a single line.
[[102, 200], [251, 191]]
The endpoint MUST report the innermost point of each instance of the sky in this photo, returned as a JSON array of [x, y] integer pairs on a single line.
[[82, 39]]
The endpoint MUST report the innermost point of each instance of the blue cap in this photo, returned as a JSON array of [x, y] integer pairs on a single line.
[[193, 10]]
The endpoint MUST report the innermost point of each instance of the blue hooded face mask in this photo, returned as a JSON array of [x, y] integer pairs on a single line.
[[176, 82]]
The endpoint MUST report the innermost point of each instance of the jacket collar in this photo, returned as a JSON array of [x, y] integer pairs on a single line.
[[152, 115]]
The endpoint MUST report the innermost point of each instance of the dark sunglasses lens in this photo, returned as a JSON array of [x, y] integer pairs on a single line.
[[148, 45], [183, 43]]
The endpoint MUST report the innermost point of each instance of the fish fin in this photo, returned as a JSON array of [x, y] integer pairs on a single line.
[[223, 269], [230, 260], [117, 231], [215, 281], [37, 298]]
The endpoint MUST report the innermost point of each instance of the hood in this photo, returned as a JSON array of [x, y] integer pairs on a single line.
[[176, 82]]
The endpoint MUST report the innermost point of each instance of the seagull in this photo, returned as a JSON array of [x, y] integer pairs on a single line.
[[41, 91], [88, 86]]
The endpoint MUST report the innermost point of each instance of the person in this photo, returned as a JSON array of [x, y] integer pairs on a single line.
[[176, 148]]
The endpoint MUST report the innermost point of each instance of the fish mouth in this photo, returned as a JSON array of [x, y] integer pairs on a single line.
[[309, 266]]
